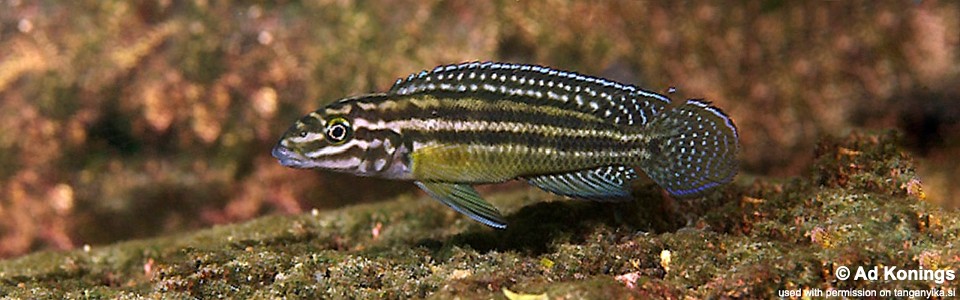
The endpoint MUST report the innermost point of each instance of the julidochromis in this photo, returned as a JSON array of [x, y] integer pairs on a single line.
[[474, 123]]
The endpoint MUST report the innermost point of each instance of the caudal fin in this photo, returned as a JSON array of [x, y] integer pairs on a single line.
[[693, 149]]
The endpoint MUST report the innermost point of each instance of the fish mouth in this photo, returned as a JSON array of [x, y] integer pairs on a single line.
[[287, 157]]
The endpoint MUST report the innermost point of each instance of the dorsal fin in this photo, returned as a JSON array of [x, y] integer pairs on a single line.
[[623, 104]]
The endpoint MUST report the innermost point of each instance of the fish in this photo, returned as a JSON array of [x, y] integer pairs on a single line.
[[574, 135]]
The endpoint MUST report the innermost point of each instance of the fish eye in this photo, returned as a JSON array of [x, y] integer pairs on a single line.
[[338, 130], [302, 133]]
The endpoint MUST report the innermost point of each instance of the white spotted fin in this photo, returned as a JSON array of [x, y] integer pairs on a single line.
[[693, 149], [611, 183], [622, 104]]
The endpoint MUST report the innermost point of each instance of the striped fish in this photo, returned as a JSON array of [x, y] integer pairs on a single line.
[[566, 133]]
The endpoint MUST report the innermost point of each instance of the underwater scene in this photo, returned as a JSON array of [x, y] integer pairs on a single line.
[[479, 149]]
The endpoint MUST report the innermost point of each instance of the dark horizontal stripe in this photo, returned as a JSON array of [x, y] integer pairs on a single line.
[[472, 108], [532, 139], [529, 132]]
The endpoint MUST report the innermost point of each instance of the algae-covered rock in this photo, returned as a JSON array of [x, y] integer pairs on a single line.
[[859, 205]]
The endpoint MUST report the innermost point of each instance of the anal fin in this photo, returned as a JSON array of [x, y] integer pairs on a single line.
[[464, 199], [610, 183]]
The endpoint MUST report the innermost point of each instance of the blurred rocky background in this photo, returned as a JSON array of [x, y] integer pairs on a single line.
[[131, 119]]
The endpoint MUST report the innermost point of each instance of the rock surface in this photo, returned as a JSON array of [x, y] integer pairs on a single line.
[[860, 204]]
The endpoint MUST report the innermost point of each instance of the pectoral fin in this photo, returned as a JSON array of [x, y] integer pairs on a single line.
[[464, 199], [611, 183]]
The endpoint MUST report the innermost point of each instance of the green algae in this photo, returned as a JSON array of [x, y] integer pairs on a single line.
[[753, 239]]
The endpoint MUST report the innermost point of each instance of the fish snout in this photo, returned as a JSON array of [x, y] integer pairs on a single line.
[[286, 156]]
